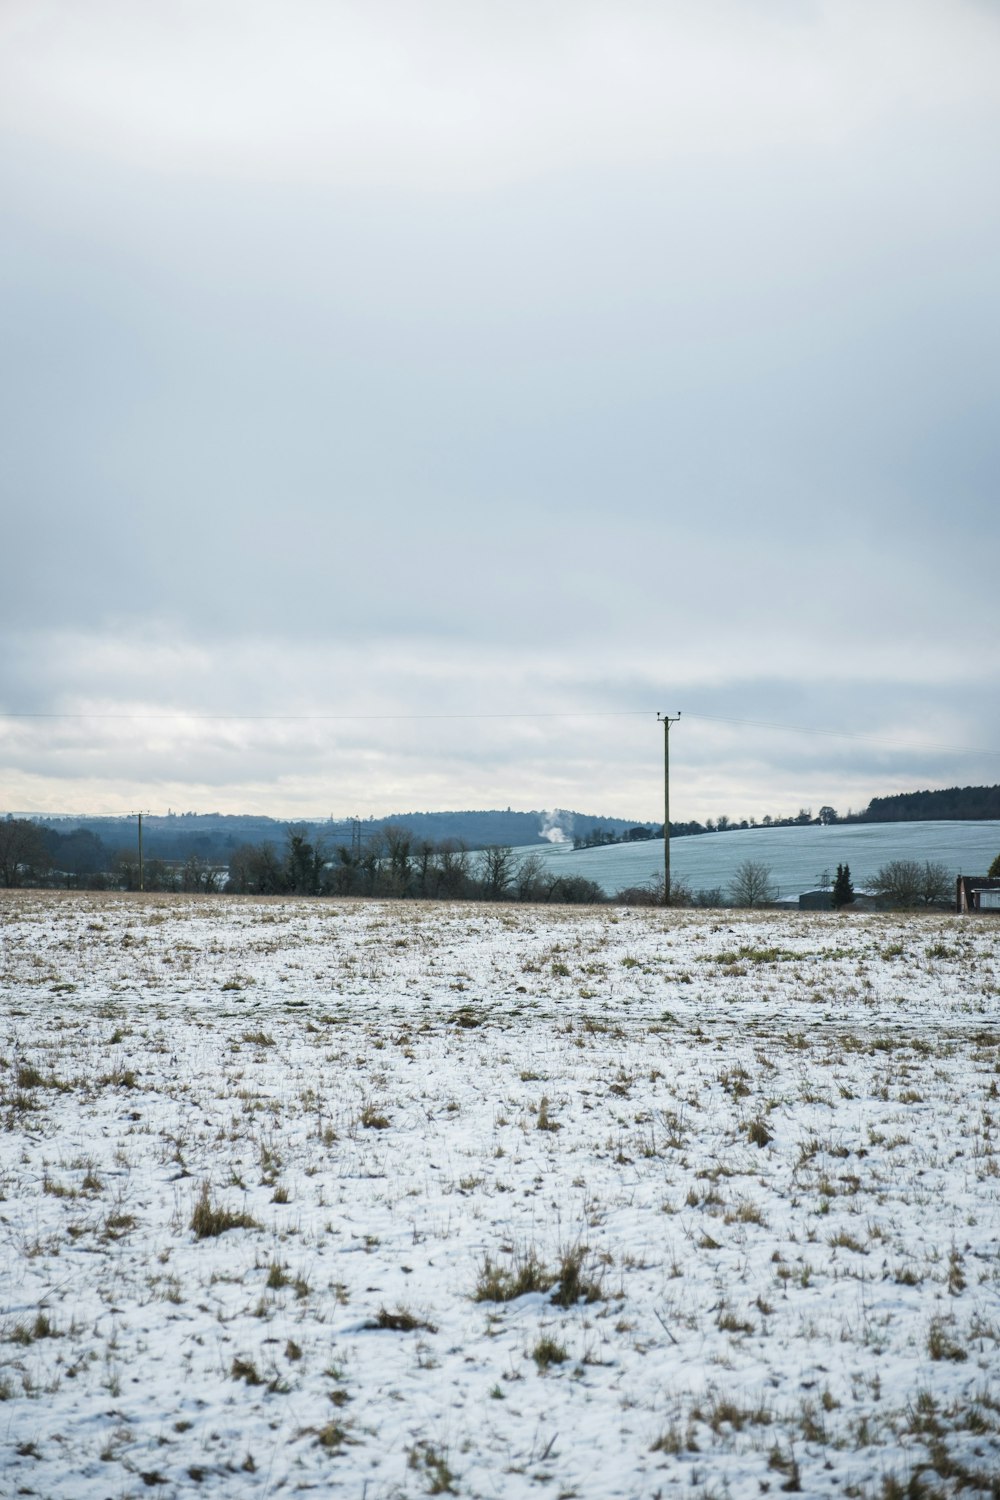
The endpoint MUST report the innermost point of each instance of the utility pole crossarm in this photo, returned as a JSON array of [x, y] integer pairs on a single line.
[[666, 721]]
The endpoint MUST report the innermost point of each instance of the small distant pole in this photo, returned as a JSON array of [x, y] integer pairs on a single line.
[[666, 721], [141, 885]]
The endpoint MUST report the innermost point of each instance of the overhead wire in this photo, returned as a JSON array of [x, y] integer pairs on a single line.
[[587, 713], [860, 735], [846, 734]]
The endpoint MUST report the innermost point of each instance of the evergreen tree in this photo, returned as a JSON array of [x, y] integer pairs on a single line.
[[994, 870], [843, 890]]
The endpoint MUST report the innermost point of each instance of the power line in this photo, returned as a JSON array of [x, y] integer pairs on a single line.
[[629, 713], [585, 713]]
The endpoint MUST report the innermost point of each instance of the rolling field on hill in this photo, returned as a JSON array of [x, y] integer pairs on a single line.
[[797, 857]]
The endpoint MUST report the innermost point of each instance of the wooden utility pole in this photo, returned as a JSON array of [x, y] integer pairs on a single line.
[[141, 886], [666, 721]]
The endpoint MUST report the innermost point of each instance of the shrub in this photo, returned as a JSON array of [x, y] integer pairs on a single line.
[[639, 895], [651, 894], [712, 896]]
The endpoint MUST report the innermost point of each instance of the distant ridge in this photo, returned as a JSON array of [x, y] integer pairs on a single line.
[[213, 836], [176, 836]]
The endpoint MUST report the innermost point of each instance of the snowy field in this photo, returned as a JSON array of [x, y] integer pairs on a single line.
[[796, 857], [392, 1200]]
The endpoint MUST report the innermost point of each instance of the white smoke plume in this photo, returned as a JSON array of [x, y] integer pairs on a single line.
[[556, 826]]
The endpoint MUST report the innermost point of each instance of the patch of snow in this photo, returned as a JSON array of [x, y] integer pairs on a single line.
[[396, 1099]]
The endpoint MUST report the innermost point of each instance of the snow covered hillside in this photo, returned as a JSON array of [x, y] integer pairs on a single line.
[[797, 857], [382, 1200]]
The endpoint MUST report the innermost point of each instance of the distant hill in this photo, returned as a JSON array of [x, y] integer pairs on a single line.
[[213, 836], [479, 830]]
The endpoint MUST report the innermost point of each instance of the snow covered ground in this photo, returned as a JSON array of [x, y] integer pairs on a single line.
[[796, 857], [520, 1200]]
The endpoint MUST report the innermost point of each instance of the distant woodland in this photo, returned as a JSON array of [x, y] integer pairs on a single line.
[[213, 837], [956, 804]]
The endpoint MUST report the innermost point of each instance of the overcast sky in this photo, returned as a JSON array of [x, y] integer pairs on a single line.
[[366, 360]]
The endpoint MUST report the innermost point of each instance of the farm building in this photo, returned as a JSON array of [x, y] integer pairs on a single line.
[[976, 893]]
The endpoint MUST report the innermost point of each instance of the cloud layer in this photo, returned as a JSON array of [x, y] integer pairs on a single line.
[[453, 93], [468, 359]]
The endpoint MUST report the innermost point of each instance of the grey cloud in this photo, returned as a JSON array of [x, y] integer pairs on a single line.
[[711, 420], [458, 93], [730, 752], [296, 429]]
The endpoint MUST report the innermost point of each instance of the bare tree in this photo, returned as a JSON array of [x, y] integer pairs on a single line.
[[197, 875], [398, 873], [157, 875], [907, 882], [369, 867], [255, 870], [936, 883], [897, 882], [752, 884], [531, 879], [22, 849], [452, 869], [424, 870], [496, 871]]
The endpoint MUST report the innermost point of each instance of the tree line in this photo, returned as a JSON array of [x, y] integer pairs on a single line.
[[36, 854], [953, 804], [392, 863], [396, 864]]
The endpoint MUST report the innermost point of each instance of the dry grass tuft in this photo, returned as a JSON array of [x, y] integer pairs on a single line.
[[526, 1273], [209, 1219]]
